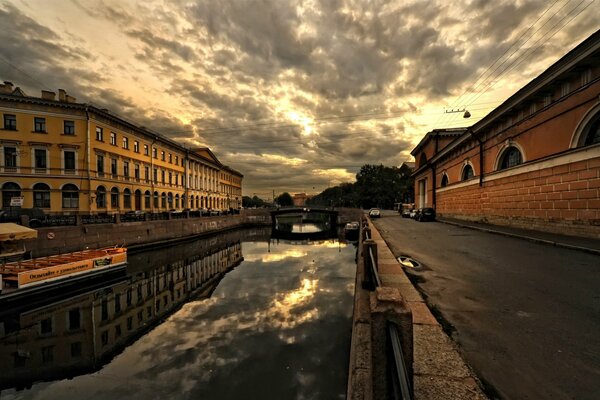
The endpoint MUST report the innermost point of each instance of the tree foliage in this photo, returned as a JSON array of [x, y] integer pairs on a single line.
[[255, 201], [375, 186], [285, 199]]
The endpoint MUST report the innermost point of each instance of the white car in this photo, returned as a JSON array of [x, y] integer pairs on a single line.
[[374, 213]]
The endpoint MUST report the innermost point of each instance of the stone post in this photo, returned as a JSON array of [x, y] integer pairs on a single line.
[[117, 218], [388, 306]]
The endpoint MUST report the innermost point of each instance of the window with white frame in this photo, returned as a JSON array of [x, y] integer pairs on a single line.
[[69, 161], [10, 159], [40, 159]]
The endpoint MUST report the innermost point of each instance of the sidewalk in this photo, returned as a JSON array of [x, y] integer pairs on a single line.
[[587, 245]]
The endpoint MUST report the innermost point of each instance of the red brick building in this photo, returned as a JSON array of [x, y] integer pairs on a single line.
[[532, 162]]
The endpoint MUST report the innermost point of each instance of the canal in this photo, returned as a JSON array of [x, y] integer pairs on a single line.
[[239, 315]]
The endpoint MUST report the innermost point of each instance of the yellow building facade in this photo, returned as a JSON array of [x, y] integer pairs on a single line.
[[66, 157]]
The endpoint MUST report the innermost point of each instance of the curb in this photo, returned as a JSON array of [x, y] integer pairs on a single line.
[[524, 237]]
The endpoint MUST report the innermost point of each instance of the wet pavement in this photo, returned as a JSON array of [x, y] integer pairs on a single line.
[[525, 315], [224, 318]]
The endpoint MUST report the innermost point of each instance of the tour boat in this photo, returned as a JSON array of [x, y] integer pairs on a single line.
[[38, 273]]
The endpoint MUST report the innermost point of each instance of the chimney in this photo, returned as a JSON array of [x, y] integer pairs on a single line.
[[48, 95], [70, 99], [7, 87], [62, 95]]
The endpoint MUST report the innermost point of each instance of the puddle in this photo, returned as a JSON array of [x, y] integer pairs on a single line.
[[408, 262]]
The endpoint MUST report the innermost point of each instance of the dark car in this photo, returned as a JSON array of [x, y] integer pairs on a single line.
[[426, 214], [36, 215]]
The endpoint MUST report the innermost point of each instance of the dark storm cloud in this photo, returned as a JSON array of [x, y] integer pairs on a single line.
[[30, 51], [236, 69], [158, 43]]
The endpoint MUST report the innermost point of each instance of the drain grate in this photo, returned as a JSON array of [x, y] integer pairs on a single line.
[[408, 262]]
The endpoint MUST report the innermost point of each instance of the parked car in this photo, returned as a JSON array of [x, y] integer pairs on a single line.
[[374, 213], [13, 214], [426, 214], [413, 214], [405, 213]]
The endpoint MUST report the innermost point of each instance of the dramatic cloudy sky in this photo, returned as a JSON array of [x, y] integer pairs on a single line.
[[297, 95]]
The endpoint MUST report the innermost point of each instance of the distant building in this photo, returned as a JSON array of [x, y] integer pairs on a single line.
[[67, 158], [300, 199], [532, 162]]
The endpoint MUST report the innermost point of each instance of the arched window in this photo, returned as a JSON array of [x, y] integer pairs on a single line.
[[467, 172], [9, 190], [176, 201], [510, 158], [593, 133], [41, 195], [422, 159], [147, 197], [163, 200], [183, 201], [155, 199], [201, 202], [127, 198], [170, 200], [70, 196], [114, 197], [101, 197], [444, 181]]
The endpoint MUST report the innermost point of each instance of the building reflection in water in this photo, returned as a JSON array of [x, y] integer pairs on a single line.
[[79, 334], [276, 327]]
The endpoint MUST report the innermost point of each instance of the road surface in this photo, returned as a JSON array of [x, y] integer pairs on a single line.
[[526, 315]]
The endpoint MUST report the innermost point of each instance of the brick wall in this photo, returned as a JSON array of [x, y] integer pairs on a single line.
[[562, 199]]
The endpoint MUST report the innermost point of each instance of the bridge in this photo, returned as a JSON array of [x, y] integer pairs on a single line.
[[304, 212]]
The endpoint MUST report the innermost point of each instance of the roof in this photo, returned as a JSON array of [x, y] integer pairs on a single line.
[[10, 231], [585, 49], [448, 132]]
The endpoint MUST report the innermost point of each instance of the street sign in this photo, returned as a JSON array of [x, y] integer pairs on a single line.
[[16, 201]]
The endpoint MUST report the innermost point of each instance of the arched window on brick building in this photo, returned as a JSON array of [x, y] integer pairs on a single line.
[[593, 132], [444, 181], [510, 157], [422, 160], [467, 172]]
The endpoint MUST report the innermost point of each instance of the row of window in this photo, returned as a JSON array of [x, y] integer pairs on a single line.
[[511, 157], [70, 198], [39, 124], [136, 147]]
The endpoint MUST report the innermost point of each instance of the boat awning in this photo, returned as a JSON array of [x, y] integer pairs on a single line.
[[10, 231]]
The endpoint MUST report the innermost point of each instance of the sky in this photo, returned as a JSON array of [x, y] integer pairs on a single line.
[[296, 95]]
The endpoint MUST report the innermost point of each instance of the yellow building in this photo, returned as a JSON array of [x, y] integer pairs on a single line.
[[67, 158]]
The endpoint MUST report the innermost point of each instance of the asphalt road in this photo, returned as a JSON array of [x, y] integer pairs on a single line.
[[526, 315]]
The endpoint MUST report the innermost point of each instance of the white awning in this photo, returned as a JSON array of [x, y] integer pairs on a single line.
[[10, 231]]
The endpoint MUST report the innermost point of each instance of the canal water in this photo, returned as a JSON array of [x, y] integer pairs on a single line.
[[238, 315]]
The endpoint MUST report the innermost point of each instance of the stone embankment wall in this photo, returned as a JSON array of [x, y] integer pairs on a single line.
[[64, 239]]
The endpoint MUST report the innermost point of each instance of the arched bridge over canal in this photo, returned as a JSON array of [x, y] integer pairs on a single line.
[[305, 213]]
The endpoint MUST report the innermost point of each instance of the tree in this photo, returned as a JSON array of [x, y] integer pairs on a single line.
[[255, 201], [284, 199]]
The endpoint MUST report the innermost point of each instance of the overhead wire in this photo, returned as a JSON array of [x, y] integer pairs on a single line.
[[534, 49], [477, 85]]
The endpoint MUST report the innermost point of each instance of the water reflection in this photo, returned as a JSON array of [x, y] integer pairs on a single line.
[[277, 326]]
